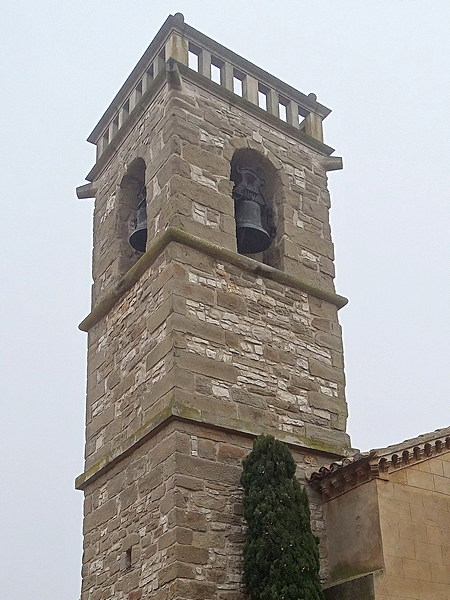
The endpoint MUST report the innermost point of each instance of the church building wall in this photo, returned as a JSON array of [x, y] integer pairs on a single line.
[[353, 533], [415, 526]]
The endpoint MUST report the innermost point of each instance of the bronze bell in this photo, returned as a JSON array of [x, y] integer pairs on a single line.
[[249, 201], [138, 239]]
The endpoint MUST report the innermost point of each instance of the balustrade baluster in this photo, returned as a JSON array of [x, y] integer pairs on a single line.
[[250, 89], [228, 76], [273, 102], [204, 63]]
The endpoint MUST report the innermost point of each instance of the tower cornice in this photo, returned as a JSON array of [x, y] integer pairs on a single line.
[[174, 41]]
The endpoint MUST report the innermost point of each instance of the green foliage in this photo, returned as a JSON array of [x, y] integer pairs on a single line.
[[281, 558]]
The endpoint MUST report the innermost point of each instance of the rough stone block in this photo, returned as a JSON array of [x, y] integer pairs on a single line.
[[207, 366], [206, 160]]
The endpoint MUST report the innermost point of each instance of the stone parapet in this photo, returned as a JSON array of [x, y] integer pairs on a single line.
[[177, 41]]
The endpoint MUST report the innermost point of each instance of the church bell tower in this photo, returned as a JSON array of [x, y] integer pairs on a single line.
[[214, 314]]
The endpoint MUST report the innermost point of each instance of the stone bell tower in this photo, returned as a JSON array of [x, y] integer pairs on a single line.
[[216, 323]]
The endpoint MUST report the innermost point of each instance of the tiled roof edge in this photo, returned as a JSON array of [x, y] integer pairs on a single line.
[[340, 476]]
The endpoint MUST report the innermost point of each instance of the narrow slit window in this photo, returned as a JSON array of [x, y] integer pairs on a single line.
[[127, 560], [216, 73], [282, 107], [150, 72]]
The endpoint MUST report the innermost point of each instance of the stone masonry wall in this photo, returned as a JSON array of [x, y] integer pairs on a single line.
[[112, 254], [263, 352], [234, 346], [166, 522], [228, 350], [415, 524], [126, 352], [187, 139]]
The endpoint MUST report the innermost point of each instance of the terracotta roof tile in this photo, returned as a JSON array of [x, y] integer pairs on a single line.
[[344, 474]]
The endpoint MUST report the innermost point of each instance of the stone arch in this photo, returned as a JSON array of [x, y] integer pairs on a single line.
[[131, 192], [132, 182], [271, 191]]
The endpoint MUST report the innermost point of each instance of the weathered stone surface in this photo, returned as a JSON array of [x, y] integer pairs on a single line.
[[205, 131], [195, 349], [359, 588], [206, 160]]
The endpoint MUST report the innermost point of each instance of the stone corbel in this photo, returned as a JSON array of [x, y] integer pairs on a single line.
[[88, 190], [173, 74], [332, 163]]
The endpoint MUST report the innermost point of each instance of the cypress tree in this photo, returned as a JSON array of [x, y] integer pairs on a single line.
[[281, 558]]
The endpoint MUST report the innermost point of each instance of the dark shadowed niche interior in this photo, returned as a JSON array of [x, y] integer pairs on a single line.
[[256, 194], [132, 217]]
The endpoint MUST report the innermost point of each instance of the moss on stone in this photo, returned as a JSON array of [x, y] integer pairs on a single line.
[[180, 236], [179, 410]]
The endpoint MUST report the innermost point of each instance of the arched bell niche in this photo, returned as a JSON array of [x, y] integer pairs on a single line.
[[255, 192], [132, 217]]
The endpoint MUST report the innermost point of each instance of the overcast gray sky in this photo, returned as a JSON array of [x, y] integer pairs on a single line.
[[382, 66]]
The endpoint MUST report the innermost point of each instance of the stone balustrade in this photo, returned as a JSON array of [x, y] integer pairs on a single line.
[[178, 41]]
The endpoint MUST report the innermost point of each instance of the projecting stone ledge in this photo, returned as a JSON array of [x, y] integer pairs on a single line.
[[173, 234], [178, 410]]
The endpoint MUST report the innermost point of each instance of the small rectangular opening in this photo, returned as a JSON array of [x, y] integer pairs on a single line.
[[147, 79], [301, 121], [216, 70], [159, 62], [238, 82], [302, 114], [127, 560], [124, 112], [193, 61], [262, 97], [193, 57], [115, 125], [105, 140], [282, 109]]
